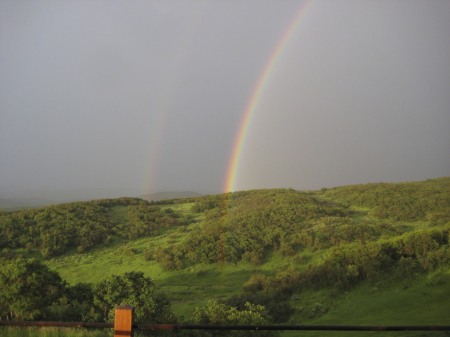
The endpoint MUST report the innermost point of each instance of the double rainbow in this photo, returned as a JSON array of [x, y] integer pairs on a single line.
[[257, 92]]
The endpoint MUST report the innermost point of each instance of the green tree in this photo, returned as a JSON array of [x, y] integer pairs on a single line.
[[76, 304], [134, 289], [28, 288]]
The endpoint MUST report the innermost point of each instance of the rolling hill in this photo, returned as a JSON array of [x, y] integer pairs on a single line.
[[362, 254]]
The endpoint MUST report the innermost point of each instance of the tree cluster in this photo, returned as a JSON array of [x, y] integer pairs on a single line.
[[246, 226], [216, 313], [80, 226], [345, 266], [31, 291]]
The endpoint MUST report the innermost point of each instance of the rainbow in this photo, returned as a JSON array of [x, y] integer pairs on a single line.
[[256, 95]]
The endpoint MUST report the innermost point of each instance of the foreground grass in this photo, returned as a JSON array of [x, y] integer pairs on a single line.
[[424, 300], [53, 332], [71, 332], [420, 300]]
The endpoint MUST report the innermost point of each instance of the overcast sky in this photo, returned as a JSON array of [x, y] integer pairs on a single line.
[[131, 97]]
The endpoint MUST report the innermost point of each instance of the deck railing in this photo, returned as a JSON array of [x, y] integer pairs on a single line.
[[124, 326]]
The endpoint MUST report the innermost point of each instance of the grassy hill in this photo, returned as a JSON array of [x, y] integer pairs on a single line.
[[363, 254]]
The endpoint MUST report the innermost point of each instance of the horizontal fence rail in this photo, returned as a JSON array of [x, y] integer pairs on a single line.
[[58, 324], [151, 326], [123, 325], [293, 327]]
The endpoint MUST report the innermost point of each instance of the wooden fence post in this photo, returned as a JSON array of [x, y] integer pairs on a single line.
[[123, 321]]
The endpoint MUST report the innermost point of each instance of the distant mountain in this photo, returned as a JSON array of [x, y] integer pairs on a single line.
[[18, 203], [11, 198], [169, 195]]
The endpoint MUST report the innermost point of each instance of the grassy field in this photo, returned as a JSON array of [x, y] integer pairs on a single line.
[[423, 300], [186, 289], [419, 300]]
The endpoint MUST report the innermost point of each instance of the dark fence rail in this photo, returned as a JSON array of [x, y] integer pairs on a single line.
[[154, 327], [123, 326], [57, 324], [293, 327]]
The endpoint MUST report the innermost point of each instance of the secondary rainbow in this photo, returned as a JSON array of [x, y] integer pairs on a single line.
[[256, 95]]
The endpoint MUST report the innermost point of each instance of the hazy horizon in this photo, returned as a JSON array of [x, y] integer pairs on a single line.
[[85, 194], [103, 97]]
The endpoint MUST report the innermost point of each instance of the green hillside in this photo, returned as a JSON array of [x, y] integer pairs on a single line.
[[362, 254], [80, 226], [424, 200]]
